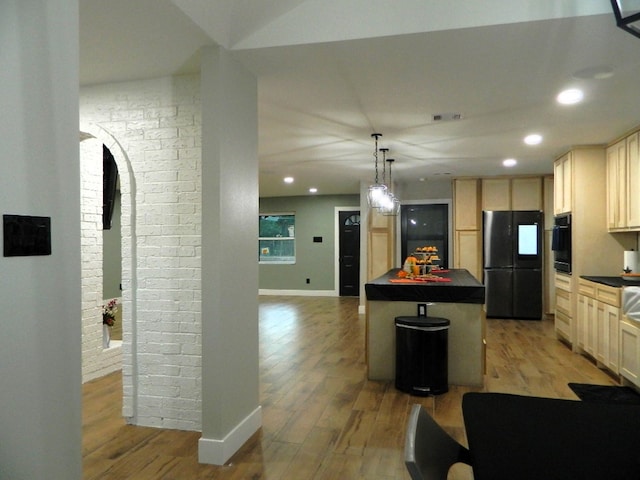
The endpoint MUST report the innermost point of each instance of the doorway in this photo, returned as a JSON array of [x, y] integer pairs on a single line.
[[349, 253]]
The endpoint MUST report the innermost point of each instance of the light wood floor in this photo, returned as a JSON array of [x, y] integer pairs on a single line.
[[322, 419]]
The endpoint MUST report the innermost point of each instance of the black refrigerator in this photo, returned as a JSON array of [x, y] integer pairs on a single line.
[[512, 255]]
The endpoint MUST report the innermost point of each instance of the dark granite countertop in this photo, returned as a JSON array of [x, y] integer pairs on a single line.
[[612, 281], [463, 288]]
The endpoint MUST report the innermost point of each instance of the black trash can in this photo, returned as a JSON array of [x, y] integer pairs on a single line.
[[422, 355]]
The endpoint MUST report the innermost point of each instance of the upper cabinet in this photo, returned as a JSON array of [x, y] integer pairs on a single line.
[[617, 186], [623, 179], [502, 193], [526, 194], [466, 199], [633, 181], [563, 184]]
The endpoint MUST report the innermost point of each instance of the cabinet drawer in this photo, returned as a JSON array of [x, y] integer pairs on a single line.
[[563, 302], [564, 282], [585, 287], [610, 295]]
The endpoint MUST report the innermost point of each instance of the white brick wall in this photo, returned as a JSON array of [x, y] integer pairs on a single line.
[[96, 361], [157, 125]]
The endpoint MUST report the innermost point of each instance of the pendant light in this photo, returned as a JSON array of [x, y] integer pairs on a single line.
[[378, 191], [392, 208]]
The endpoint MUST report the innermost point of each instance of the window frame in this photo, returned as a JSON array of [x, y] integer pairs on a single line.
[[290, 260]]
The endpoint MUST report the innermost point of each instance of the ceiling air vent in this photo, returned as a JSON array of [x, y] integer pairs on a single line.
[[442, 117]]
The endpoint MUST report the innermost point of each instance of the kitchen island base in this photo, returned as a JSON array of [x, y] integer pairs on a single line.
[[466, 334], [456, 296]]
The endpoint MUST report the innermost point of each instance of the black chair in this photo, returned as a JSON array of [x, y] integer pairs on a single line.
[[429, 451], [532, 438]]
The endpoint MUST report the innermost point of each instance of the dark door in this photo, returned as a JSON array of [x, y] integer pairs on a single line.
[[349, 254]]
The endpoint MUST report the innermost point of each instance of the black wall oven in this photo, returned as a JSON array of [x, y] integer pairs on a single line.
[[561, 243]]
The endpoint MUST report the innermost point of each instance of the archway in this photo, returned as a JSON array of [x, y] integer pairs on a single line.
[[97, 361]]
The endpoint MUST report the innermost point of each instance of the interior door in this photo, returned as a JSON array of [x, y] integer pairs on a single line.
[[349, 255]]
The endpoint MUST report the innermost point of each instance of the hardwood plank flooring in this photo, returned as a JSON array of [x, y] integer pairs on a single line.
[[322, 419]]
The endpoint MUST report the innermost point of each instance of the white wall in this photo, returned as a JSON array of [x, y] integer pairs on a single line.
[[40, 397]]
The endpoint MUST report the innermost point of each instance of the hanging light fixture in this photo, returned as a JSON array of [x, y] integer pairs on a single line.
[[392, 208], [627, 16], [378, 191]]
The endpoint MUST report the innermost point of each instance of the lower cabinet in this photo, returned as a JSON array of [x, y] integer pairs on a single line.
[[564, 308], [630, 350], [598, 323]]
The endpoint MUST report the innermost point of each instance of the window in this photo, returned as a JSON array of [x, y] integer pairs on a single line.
[[277, 242], [425, 225]]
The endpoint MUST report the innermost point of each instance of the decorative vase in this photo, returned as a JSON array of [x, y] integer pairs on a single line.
[[106, 336]]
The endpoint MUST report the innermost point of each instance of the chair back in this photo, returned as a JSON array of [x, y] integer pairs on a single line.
[[429, 451]]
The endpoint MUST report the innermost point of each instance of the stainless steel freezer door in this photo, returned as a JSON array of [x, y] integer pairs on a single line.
[[498, 285], [527, 294]]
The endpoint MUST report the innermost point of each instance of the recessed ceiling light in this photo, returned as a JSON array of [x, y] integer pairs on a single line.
[[509, 162], [570, 96], [313, 190], [533, 139], [288, 179]]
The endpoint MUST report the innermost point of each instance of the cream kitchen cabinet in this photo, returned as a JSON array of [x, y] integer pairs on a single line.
[[617, 186], [563, 184], [630, 350], [598, 323], [496, 194], [633, 181], [527, 194], [623, 179], [564, 307], [468, 252], [466, 194]]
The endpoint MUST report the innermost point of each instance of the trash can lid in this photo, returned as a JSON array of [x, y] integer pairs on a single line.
[[423, 321]]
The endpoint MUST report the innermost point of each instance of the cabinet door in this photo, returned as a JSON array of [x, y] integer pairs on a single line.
[[581, 321], [633, 181], [590, 313], [467, 249], [496, 194], [630, 351], [601, 333], [563, 184], [526, 194], [465, 204], [612, 332], [617, 186], [558, 182], [564, 314]]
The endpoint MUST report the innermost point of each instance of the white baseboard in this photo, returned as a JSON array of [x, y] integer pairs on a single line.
[[217, 452], [299, 293]]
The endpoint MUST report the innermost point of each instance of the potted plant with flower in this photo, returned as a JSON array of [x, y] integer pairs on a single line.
[[108, 320]]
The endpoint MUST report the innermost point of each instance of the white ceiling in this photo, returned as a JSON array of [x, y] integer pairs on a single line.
[[331, 72]]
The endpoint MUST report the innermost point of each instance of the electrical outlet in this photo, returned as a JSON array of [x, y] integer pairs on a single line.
[[308, 280]]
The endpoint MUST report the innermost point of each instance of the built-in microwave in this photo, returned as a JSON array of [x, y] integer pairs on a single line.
[[561, 243]]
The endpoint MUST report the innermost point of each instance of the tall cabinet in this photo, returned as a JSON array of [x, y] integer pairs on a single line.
[[580, 188], [467, 226]]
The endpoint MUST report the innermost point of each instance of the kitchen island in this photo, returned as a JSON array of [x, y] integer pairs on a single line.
[[458, 297]]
